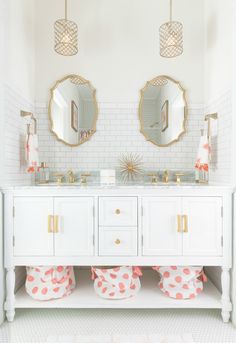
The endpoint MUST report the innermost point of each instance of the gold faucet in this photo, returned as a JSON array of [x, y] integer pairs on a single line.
[[83, 179], [71, 177], [166, 176], [178, 177], [60, 178], [154, 178]]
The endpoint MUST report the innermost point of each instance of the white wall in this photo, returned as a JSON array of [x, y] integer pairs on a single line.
[[218, 48], [20, 47], [119, 46], [18, 85], [233, 73], [2, 35], [218, 82]]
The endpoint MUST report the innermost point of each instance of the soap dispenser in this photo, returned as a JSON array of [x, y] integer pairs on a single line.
[[44, 173]]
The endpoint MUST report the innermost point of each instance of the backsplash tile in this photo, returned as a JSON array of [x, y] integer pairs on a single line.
[[14, 137], [221, 144], [118, 133]]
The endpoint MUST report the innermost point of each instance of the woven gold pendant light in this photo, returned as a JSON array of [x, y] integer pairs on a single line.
[[171, 37], [66, 36]]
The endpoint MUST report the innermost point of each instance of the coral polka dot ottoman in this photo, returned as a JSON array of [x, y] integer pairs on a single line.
[[50, 282], [116, 283], [181, 282]]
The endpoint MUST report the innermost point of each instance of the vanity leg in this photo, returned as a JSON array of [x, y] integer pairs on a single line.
[[10, 290], [225, 299]]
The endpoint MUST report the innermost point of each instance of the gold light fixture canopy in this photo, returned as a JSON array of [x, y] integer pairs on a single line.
[[171, 38], [66, 36]]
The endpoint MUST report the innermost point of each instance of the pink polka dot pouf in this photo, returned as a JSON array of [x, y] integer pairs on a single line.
[[50, 282], [181, 282], [116, 283]]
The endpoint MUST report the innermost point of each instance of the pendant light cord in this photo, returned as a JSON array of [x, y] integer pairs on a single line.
[[65, 9], [170, 10]]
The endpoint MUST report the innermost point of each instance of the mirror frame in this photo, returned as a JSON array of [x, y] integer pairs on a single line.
[[154, 82], [82, 81]]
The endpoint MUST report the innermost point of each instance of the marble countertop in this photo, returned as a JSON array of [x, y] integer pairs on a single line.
[[134, 187]]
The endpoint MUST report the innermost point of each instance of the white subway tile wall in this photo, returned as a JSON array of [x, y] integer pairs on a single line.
[[118, 132], [221, 144], [14, 137]]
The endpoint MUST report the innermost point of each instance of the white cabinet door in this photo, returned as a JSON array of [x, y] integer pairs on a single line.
[[33, 226], [160, 226], [75, 229], [203, 226]]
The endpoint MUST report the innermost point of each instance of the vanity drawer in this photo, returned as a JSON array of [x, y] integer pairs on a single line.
[[118, 211], [118, 242]]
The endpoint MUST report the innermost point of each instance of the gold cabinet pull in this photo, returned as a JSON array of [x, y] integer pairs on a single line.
[[185, 219], [55, 224], [50, 230], [117, 211], [117, 241], [179, 219]]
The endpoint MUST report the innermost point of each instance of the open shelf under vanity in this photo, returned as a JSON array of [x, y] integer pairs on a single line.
[[149, 297]]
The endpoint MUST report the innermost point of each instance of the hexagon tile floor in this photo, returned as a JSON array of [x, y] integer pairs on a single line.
[[34, 326]]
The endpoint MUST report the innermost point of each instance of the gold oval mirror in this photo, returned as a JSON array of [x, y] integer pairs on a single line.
[[73, 110], [163, 111]]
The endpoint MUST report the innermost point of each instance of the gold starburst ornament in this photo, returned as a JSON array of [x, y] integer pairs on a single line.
[[130, 167]]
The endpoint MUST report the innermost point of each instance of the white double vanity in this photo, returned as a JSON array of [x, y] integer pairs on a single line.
[[149, 225]]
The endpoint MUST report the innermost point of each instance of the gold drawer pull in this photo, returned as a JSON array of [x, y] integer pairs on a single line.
[[179, 219], [117, 211], [185, 218], [117, 241], [55, 224], [50, 217]]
